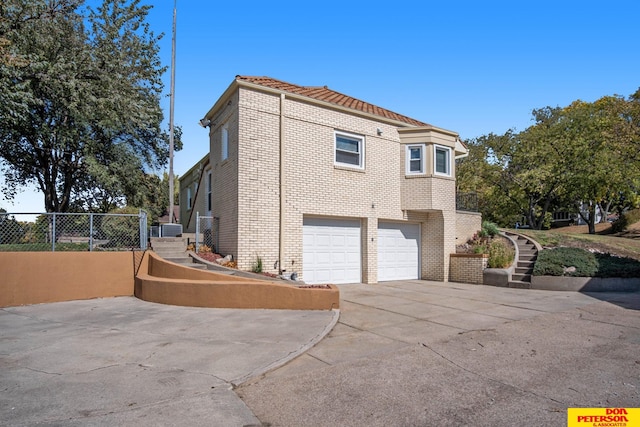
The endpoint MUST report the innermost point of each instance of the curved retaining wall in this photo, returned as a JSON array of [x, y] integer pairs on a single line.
[[164, 282]]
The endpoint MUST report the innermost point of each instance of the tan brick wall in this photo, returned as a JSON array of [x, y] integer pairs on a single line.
[[194, 179], [225, 177], [467, 224], [314, 186], [467, 268]]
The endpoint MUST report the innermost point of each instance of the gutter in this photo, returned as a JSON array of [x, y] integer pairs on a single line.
[[282, 187]]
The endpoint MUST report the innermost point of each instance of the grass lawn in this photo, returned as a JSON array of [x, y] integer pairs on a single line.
[[626, 243], [43, 247]]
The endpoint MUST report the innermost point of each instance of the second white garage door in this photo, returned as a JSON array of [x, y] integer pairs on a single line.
[[331, 251], [398, 251]]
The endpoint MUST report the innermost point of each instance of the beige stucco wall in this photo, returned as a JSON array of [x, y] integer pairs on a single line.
[[164, 282], [40, 277], [314, 186]]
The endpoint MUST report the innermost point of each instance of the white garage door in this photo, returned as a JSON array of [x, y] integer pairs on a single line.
[[331, 251], [398, 251]]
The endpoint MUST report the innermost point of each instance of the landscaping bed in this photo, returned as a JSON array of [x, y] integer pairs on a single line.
[[577, 262]]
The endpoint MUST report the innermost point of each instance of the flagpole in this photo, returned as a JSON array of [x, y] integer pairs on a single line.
[[171, 104]]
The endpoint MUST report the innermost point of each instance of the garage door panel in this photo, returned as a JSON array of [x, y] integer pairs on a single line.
[[398, 251], [331, 251]]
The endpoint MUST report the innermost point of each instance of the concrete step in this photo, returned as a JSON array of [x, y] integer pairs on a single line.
[[524, 270], [171, 254], [167, 239], [527, 257], [519, 277]]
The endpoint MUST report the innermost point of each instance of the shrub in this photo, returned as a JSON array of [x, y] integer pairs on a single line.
[[489, 229], [625, 220], [553, 262], [257, 265], [501, 254]]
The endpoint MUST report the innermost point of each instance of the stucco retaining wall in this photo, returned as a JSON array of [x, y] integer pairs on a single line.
[[169, 283], [41, 277]]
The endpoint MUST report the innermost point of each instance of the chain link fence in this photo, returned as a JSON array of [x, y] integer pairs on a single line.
[[72, 232], [206, 233]]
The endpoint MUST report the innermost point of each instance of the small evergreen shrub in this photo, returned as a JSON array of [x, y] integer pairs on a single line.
[[489, 229], [555, 262]]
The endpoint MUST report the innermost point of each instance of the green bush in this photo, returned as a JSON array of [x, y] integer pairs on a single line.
[[554, 262], [501, 254], [257, 265], [625, 220], [489, 229]]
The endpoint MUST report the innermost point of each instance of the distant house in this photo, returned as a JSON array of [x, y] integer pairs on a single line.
[[333, 188]]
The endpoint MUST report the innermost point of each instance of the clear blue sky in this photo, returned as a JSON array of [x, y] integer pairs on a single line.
[[468, 66]]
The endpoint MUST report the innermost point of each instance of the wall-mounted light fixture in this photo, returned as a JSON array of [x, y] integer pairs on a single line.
[[379, 131], [205, 122]]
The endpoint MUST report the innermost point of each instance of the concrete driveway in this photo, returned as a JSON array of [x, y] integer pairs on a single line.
[[420, 353], [123, 361]]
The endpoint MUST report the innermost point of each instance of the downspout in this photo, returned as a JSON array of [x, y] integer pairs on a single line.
[[282, 187]]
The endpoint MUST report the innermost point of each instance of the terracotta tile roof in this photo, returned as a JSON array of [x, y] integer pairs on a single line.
[[323, 93]]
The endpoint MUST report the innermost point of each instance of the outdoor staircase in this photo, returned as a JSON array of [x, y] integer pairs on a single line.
[[527, 254], [174, 249]]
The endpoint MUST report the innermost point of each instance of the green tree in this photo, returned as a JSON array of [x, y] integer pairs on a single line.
[[80, 110]]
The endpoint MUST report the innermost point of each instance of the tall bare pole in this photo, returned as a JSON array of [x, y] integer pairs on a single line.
[[171, 103]]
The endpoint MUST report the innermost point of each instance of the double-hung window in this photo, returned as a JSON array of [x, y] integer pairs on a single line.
[[224, 146], [442, 160], [415, 159], [349, 150]]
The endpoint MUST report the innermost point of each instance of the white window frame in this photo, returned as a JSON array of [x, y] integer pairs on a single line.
[[408, 159], [224, 145], [189, 200], [435, 161], [361, 149]]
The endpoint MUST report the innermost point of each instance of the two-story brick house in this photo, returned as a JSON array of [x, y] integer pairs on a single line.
[[325, 185]]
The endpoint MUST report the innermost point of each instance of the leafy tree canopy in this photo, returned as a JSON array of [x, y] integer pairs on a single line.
[[80, 97], [576, 158]]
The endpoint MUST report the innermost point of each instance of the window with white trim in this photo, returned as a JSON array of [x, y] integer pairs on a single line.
[[189, 200], [415, 159], [442, 160], [224, 146], [349, 150]]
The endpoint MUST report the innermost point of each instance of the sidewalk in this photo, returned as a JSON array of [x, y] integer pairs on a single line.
[[123, 361]]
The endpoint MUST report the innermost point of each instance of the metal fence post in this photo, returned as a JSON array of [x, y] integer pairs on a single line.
[[197, 231], [91, 232], [143, 228], [53, 234]]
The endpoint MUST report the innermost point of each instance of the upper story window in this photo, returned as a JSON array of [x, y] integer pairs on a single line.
[[224, 146], [189, 199], [209, 187], [349, 150], [415, 159], [442, 160]]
